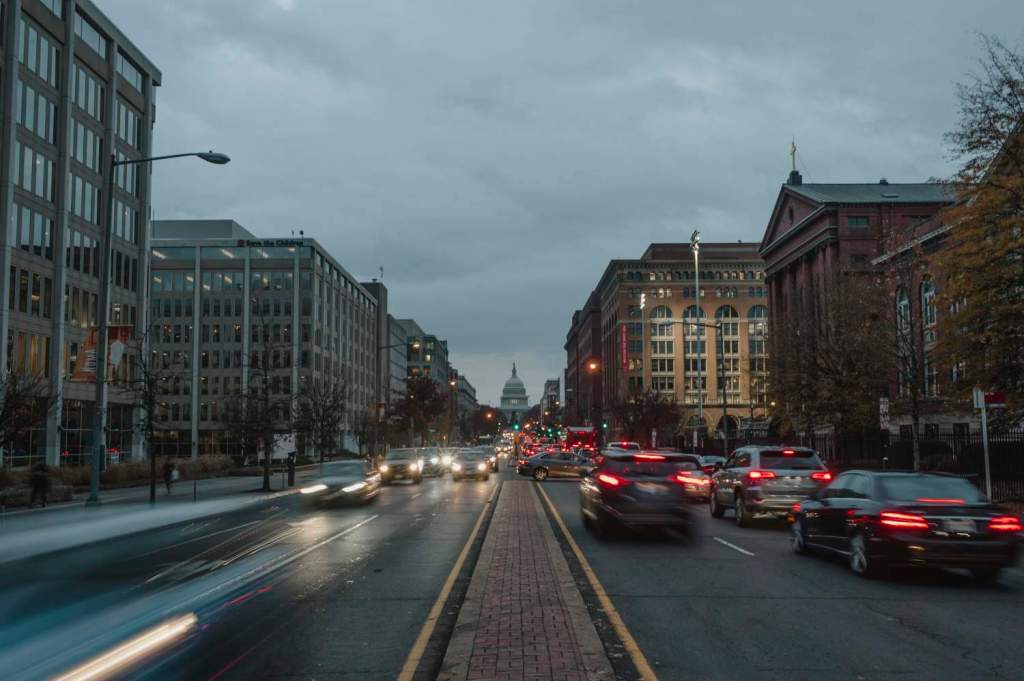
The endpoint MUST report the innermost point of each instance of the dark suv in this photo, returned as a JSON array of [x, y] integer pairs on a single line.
[[765, 481]]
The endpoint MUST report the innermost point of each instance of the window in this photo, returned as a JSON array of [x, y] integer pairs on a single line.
[[662, 365], [661, 347], [131, 74], [85, 199], [85, 146], [55, 6], [128, 123], [663, 383], [696, 316], [34, 171], [37, 52], [89, 35], [36, 113], [857, 221], [928, 309], [87, 92]]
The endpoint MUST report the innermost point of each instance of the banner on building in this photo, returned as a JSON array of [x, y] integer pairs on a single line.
[[623, 347], [118, 338]]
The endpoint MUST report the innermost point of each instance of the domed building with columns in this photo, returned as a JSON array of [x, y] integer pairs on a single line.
[[514, 400]]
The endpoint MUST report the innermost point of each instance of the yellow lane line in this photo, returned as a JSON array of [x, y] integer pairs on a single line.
[[628, 642], [412, 661]]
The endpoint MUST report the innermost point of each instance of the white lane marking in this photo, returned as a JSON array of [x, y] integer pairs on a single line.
[[733, 546]]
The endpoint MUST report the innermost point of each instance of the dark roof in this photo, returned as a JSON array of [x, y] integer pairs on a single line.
[[921, 192]]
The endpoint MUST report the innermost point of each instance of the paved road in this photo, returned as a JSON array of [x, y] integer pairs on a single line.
[[737, 604], [279, 589]]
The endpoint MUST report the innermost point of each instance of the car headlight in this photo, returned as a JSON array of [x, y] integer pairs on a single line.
[[413, 466], [354, 487], [456, 467], [385, 468], [481, 466], [446, 460], [434, 460], [313, 489]]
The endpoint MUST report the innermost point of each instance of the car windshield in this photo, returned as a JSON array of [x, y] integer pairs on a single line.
[[349, 468], [400, 454], [929, 489], [795, 459]]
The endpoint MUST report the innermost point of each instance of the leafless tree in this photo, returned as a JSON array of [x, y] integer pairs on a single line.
[[642, 413], [26, 401], [321, 407]]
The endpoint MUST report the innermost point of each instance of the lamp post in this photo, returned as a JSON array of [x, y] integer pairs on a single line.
[[695, 247], [452, 401], [100, 353], [381, 401]]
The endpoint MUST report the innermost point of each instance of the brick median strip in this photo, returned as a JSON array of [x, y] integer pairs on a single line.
[[523, 618]]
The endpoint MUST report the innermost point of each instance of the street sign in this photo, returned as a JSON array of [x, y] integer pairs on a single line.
[[995, 400]]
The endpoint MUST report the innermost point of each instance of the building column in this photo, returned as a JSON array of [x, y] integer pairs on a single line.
[[196, 328]]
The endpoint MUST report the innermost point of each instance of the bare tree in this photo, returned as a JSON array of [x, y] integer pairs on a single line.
[[320, 411], [642, 413], [422, 405], [362, 429], [26, 400]]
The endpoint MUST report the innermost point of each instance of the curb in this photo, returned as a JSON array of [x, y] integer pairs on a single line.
[[455, 666]]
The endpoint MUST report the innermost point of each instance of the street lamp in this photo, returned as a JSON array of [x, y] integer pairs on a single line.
[[100, 422], [695, 247], [593, 366]]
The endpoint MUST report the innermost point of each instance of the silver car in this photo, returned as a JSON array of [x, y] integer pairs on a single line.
[[556, 465]]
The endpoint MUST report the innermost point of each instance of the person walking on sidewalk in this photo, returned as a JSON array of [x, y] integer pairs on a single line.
[[170, 474], [40, 484]]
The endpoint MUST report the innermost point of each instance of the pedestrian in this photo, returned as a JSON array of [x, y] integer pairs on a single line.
[[40, 484], [170, 474]]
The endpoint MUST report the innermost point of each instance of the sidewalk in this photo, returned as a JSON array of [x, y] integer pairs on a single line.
[[523, 618]]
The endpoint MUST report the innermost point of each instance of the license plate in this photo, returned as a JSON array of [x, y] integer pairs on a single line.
[[963, 526], [651, 488]]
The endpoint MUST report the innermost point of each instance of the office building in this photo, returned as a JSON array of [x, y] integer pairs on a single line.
[[75, 92], [223, 300], [426, 354], [397, 361]]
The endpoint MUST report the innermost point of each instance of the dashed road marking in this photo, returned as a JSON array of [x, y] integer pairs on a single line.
[[733, 546]]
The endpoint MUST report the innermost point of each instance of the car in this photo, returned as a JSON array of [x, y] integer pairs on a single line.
[[471, 463], [709, 463], [760, 481], [555, 464], [632, 489], [628, 446], [401, 464], [491, 455], [696, 483], [433, 461], [884, 519], [349, 482]]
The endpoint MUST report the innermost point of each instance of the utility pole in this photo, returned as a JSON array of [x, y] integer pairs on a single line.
[[695, 247]]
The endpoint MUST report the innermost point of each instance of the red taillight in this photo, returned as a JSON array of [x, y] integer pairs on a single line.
[[788, 452], [610, 480], [824, 476], [708, 469], [796, 507], [902, 521], [649, 457], [941, 501], [1005, 523], [521, 462], [760, 475], [684, 479]]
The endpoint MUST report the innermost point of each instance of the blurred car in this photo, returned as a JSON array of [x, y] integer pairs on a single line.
[[883, 519], [470, 463], [627, 446], [555, 464], [491, 456], [350, 482], [433, 462], [709, 463], [401, 464], [696, 483], [758, 481], [633, 489]]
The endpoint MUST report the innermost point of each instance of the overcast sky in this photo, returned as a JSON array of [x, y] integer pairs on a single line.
[[492, 157]]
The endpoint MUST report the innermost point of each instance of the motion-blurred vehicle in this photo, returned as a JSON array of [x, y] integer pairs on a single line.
[[492, 456], [636, 490], [696, 483], [470, 463], [350, 482], [759, 481], [555, 464], [433, 461], [880, 520], [402, 464], [624, 446], [709, 463]]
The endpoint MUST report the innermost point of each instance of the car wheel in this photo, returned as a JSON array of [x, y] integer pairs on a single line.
[[861, 562], [985, 575], [540, 474], [799, 541], [742, 517], [716, 509]]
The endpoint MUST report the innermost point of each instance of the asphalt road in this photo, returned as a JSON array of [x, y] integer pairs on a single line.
[[279, 589], [738, 604]]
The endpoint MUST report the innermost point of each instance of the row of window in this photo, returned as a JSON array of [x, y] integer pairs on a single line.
[[126, 222], [85, 145], [82, 253], [30, 293], [34, 172], [126, 176], [84, 199], [37, 52], [129, 72], [80, 307], [684, 275], [89, 35], [35, 112], [32, 232], [128, 124], [87, 91], [28, 354]]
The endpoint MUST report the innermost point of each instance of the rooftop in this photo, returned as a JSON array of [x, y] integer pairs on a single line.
[[876, 192]]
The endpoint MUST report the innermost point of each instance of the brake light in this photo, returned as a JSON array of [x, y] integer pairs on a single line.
[[649, 457], [941, 501], [821, 475], [521, 462], [610, 480], [708, 469], [902, 521], [788, 452], [685, 479], [1005, 523], [760, 475]]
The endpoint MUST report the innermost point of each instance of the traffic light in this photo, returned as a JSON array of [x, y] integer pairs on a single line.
[[643, 300], [604, 424], [515, 426]]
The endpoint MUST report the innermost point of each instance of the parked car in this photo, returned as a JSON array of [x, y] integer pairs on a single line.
[[470, 463], [401, 464], [555, 464], [880, 520], [759, 481], [350, 482], [636, 490]]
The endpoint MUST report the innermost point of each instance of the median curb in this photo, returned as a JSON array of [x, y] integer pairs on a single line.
[[514, 639]]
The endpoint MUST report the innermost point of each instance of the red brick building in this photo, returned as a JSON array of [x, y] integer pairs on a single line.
[[583, 404]]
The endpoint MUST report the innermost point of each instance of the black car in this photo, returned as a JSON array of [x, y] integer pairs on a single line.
[[636, 489], [402, 464], [471, 463], [349, 482], [883, 519], [763, 482]]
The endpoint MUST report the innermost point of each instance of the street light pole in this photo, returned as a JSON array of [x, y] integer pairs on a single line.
[[695, 247], [100, 351]]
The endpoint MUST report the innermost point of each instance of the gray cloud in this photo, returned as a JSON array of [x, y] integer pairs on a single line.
[[494, 156]]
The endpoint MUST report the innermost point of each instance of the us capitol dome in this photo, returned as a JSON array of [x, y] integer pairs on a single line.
[[514, 400]]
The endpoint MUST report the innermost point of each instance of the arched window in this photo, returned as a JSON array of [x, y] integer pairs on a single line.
[[661, 312], [730, 329], [659, 328], [726, 312]]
